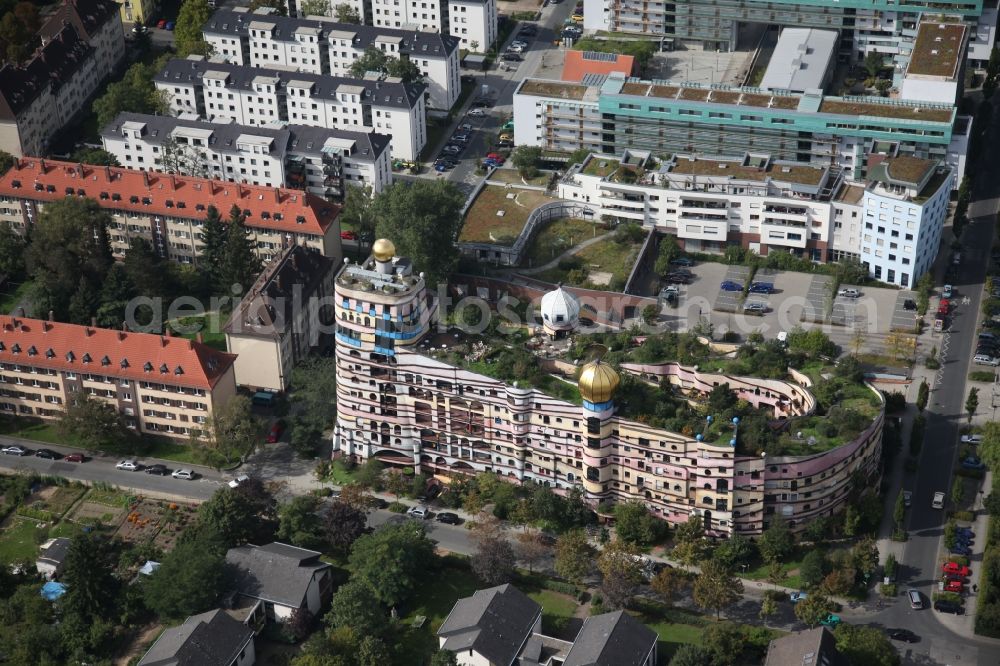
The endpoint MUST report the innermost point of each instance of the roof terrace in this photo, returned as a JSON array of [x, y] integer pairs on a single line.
[[937, 50]]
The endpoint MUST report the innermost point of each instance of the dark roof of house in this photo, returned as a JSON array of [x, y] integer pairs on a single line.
[[298, 269], [209, 639], [815, 647], [411, 42], [286, 138], [51, 65], [611, 639], [88, 16], [277, 572], [391, 93], [494, 622], [56, 552]]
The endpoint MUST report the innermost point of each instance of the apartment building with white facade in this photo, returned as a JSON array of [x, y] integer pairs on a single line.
[[321, 45], [468, 20], [83, 42], [168, 210], [321, 161], [221, 92], [891, 223], [158, 383]]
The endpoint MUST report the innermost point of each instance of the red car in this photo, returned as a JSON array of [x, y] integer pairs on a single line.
[[348, 235], [275, 433], [74, 457], [495, 156], [953, 586], [161, 24], [955, 568]]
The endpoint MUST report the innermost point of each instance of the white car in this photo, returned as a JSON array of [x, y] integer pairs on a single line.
[[183, 474], [518, 42], [465, 127], [947, 291], [238, 480], [14, 450], [451, 150], [849, 293], [515, 49], [128, 465], [418, 512], [907, 498], [972, 439], [476, 113], [938, 501]]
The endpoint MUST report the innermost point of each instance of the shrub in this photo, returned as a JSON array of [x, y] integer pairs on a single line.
[[397, 507], [981, 376], [560, 586], [967, 516], [953, 597], [959, 559], [887, 589]]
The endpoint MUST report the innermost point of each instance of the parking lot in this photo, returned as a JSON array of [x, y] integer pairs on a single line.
[[902, 318]]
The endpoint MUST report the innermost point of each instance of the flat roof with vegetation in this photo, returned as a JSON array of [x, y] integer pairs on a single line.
[[553, 89], [484, 223], [792, 173], [938, 49]]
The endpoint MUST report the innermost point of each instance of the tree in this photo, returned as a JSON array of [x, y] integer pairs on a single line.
[[525, 159], [88, 572], [392, 560], [493, 560], [15, 38], [689, 654], [343, 523], [864, 555], [278, 5], [397, 484], [98, 156], [768, 608], [957, 491], [634, 524], [372, 651], [573, 556], [235, 516], [240, 264], [93, 423], [235, 429], [873, 63], [813, 609], [345, 13], [190, 580], [6, 161], [315, 382], [375, 59], [314, 8], [813, 568], [899, 511], [621, 574], [725, 641], [443, 658], [690, 546], [669, 584], [300, 623], [865, 645], [422, 220], [357, 211], [531, 549], [735, 551], [356, 605], [188, 37], [972, 402], [213, 237], [69, 244], [369, 474], [776, 542], [134, 92], [716, 588], [667, 252], [12, 248], [182, 158], [299, 522]]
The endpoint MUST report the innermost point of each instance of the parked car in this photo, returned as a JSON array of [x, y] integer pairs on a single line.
[[440, 168], [972, 439], [904, 635], [511, 57], [347, 234], [961, 549], [159, 470], [938, 501], [761, 287], [418, 512], [460, 138], [796, 597], [15, 450], [729, 285], [448, 518], [907, 498], [947, 291], [971, 462], [676, 278], [849, 293], [952, 586], [452, 149], [161, 24], [505, 143], [128, 465], [966, 531], [757, 309], [48, 454], [986, 335], [74, 457], [953, 576], [518, 42], [986, 359], [909, 304], [830, 620], [375, 502], [481, 104], [943, 606], [235, 483], [277, 429], [186, 474], [170, 25], [682, 261], [476, 112]]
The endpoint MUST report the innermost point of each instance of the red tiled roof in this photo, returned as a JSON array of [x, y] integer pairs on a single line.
[[150, 192], [580, 63], [103, 351]]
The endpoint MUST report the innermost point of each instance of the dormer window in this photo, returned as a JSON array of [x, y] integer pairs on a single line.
[[105, 361], [133, 199], [32, 351], [70, 356], [124, 363], [164, 369], [148, 367], [116, 197], [178, 370], [16, 349], [86, 358], [49, 353]]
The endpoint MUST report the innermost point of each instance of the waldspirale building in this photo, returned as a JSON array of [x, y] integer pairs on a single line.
[[405, 408]]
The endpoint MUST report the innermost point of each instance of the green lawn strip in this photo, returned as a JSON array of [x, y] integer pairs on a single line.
[[557, 237], [674, 626], [17, 542]]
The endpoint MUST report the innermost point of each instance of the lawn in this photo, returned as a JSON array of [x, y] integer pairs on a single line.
[[18, 541], [434, 600], [558, 236], [607, 256], [514, 178], [209, 325], [10, 299], [340, 474], [482, 222], [674, 626]]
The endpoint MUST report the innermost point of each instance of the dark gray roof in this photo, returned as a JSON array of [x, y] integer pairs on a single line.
[[424, 44], [277, 572], [494, 622], [287, 138], [611, 639], [56, 552], [52, 65], [324, 86], [817, 647], [209, 639]]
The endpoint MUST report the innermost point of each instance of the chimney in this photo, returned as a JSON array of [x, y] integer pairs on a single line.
[[41, 164], [198, 337], [277, 195], [79, 169], [52, 315], [107, 172], [173, 182], [93, 322], [163, 341]]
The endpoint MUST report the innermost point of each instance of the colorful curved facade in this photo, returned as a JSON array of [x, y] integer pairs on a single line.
[[405, 408]]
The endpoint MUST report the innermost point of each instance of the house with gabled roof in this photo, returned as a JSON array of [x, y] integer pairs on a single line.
[[214, 638], [283, 577]]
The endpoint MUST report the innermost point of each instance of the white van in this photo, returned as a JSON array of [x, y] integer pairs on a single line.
[[938, 501], [916, 602]]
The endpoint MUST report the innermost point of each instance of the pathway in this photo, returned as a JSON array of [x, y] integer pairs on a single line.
[[573, 250]]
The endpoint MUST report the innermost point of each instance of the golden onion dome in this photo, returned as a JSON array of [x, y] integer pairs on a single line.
[[383, 250], [598, 382]]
